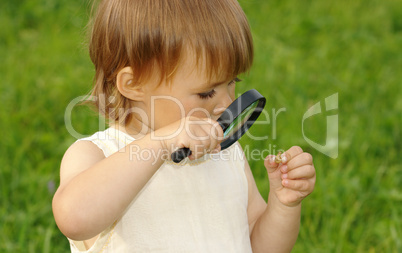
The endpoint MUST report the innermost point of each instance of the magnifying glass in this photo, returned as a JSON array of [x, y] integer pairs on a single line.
[[235, 121]]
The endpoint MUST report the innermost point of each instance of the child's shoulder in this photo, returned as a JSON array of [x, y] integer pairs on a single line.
[[83, 150], [80, 156], [87, 151]]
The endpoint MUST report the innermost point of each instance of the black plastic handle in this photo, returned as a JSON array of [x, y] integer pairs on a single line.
[[180, 154]]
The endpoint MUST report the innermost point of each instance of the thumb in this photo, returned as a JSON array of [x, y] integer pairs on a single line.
[[270, 163]]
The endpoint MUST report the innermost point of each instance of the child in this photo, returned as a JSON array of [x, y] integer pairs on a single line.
[[165, 71]]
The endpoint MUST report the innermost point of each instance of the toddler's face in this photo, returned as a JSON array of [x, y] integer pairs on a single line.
[[189, 94]]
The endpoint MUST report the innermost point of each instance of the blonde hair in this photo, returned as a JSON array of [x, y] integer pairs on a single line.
[[150, 35]]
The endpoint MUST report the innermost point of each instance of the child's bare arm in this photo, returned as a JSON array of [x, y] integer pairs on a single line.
[[275, 227], [94, 191]]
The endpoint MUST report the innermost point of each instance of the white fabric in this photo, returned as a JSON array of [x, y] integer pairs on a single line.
[[195, 206]]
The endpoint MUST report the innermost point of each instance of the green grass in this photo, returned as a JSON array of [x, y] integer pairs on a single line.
[[305, 52]]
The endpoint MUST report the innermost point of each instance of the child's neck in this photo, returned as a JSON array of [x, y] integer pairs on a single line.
[[132, 128]]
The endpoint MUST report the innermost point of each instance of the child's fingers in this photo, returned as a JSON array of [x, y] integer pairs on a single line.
[[206, 136], [305, 171], [213, 129], [215, 133], [291, 153], [301, 185], [217, 149], [300, 160], [270, 163]]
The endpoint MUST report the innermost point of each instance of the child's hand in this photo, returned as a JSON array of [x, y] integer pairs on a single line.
[[200, 135], [292, 179]]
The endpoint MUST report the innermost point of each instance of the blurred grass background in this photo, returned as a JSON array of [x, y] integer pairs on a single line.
[[305, 52]]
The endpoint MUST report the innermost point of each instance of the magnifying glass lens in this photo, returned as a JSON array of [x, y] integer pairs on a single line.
[[240, 121]]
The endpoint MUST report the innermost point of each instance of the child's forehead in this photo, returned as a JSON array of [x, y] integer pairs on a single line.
[[193, 67]]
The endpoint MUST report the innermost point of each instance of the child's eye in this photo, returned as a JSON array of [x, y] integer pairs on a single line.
[[235, 81], [207, 95], [210, 94]]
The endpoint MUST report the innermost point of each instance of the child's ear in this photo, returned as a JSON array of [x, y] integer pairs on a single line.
[[125, 85]]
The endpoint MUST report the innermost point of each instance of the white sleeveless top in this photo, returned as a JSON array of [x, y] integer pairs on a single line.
[[194, 206]]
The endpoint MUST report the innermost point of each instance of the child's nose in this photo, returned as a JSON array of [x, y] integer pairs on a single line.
[[223, 103]]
